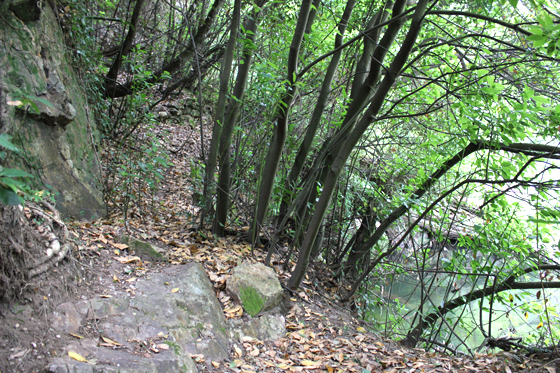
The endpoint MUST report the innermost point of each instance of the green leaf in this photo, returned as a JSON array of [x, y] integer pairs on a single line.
[[538, 40], [4, 142], [8, 197], [10, 172], [543, 221], [11, 183]]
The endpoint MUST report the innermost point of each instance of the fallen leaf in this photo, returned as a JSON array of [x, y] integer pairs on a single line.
[[106, 295], [197, 358], [121, 246], [77, 356], [128, 259], [76, 335], [18, 354], [308, 363], [115, 279], [238, 351], [110, 341], [132, 279], [175, 290], [360, 329], [216, 364]]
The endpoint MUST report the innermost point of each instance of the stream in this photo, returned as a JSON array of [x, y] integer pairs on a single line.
[[399, 296]]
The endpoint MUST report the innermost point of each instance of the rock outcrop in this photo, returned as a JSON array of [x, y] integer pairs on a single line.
[[52, 121], [176, 308], [256, 287]]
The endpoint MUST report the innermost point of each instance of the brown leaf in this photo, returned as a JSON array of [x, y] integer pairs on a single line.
[[120, 246], [110, 341], [129, 259]]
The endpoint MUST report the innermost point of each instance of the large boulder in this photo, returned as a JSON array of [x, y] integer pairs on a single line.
[[176, 308], [256, 287], [155, 325], [44, 108]]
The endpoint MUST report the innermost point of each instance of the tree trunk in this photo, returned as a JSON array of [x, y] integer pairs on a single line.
[[224, 182], [220, 110], [353, 137], [279, 138], [111, 78], [121, 90], [327, 157], [370, 41], [317, 113]]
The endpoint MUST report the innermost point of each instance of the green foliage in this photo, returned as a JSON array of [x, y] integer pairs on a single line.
[[251, 300], [12, 181], [492, 85], [137, 175]]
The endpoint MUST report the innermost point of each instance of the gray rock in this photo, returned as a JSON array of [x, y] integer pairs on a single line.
[[54, 119], [267, 327], [66, 318], [144, 250], [256, 287], [176, 306], [190, 319]]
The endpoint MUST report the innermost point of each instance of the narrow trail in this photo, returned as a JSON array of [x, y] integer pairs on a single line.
[[321, 335]]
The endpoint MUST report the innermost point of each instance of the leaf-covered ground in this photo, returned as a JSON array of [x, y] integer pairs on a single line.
[[321, 334]]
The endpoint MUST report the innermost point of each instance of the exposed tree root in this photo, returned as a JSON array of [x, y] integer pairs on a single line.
[[33, 239]]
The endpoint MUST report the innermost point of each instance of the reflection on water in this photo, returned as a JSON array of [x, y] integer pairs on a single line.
[[397, 299]]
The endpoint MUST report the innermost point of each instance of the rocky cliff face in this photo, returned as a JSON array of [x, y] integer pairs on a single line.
[[58, 132]]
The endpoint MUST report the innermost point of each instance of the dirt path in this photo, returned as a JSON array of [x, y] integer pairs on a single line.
[[321, 335]]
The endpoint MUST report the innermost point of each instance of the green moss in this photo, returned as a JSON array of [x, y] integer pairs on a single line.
[[251, 300]]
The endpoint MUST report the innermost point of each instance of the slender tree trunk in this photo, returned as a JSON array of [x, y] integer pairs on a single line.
[[370, 42], [220, 110], [177, 62], [355, 107], [279, 138], [224, 180], [317, 113], [354, 136], [312, 14], [111, 77]]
